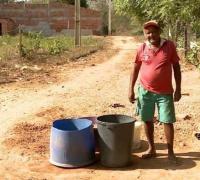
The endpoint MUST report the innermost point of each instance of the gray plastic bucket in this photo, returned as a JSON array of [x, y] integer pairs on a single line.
[[72, 143], [115, 139]]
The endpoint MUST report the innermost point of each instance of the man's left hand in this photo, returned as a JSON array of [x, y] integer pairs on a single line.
[[177, 96]]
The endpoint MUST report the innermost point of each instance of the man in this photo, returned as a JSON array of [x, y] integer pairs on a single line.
[[155, 60]]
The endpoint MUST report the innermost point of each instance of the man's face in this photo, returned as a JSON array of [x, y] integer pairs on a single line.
[[152, 34]]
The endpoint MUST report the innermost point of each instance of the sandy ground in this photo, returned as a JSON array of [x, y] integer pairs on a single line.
[[91, 87]]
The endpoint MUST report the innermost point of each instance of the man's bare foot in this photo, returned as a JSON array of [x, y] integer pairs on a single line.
[[172, 158], [149, 154]]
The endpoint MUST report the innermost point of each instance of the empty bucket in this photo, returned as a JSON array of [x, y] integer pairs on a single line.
[[93, 119], [115, 139], [72, 143]]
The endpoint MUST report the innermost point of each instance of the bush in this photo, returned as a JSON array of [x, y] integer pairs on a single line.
[[55, 47], [194, 54], [31, 44], [37, 47]]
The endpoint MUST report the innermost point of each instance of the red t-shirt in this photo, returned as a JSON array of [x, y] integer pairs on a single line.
[[156, 67]]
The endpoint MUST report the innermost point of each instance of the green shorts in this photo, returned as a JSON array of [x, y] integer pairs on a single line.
[[146, 106]]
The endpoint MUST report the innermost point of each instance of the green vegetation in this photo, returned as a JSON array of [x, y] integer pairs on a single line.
[[179, 18], [194, 54], [166, 12], [8, 47], [35, 45]]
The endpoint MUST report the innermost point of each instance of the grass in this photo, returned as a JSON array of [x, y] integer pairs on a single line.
[[34, 44], [40, 51], [8, 47]]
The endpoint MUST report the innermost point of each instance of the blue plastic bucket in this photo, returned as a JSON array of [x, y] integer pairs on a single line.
[[72, 143], [93, 119]]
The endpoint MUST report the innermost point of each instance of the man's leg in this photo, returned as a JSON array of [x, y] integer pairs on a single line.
[[149, 131], [166, 113], [146, 106], [169, 133]]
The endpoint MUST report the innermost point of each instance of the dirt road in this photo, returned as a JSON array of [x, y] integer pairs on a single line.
[[91, 88]]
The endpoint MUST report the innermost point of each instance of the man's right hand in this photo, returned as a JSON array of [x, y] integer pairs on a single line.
[[131, 97]]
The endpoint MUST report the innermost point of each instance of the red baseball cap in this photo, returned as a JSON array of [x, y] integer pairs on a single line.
[[151, 23]]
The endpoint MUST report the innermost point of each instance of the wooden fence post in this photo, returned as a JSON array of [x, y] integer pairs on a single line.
[[20, 41]]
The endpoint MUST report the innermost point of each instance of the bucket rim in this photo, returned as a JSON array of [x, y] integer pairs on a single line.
[[112, 123], [71, 165], [91, 118], [71, 119]]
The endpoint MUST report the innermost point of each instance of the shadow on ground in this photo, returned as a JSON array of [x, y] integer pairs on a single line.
[[185, 161]]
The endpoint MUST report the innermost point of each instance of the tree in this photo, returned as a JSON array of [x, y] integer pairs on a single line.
[[174, 15]]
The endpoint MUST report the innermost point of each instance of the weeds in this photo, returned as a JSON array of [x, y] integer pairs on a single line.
[[55, 47], [35, 45], [8, 47]]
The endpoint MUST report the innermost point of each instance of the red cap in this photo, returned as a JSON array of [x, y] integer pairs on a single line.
[[151, 23]]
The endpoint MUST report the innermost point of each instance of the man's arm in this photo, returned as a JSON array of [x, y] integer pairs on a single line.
[[133, 78], [177, 76]]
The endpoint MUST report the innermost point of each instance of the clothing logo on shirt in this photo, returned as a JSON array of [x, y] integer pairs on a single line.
[[146, 58]]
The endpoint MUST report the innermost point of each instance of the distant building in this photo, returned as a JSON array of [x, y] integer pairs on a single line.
[[6, 26], [48, 19]]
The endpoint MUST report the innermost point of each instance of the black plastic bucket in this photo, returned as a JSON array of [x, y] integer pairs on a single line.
[[115, 139]]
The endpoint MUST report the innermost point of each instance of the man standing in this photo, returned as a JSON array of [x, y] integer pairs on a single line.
[[155, 60]]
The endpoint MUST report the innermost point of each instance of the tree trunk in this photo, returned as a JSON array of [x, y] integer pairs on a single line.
[[185, 40], [189, 36], [176, 31]]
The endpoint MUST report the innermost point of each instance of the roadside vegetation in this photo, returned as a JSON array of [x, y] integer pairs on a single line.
[[34, 45], [35, 52], [180, 20]]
